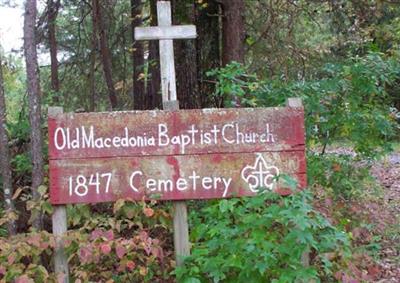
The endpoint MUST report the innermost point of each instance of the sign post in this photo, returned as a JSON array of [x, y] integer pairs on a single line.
[[165, 32]]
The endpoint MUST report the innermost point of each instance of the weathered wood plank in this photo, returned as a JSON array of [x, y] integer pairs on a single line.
[[165, 32], [181, 132], [167, 62], [178, 177], [181, 232]]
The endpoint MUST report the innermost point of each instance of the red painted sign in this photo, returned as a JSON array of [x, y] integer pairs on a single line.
[[174, 155]]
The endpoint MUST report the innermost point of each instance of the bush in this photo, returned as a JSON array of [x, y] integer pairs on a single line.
[[262, 239], [347, 101]]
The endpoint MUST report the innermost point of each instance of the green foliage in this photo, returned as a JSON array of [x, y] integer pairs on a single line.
[[348, 102], [339, 176], [22, 164], [261, 239], [14, 87], [234, 83]]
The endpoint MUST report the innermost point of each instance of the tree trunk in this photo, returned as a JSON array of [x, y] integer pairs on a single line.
[[92, 71], [33, 88], [186, 61], [233, 31], [5, 166], [139, 96], [208, 43], [52, 16], [154, 96], [105, 53]]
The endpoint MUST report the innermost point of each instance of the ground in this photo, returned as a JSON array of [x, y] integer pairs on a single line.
[[387, 172], [383, 211]]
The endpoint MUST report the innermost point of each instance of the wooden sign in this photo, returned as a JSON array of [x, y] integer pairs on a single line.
[[174, 155]]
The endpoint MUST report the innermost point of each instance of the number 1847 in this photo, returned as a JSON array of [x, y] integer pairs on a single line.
[[80, 184]]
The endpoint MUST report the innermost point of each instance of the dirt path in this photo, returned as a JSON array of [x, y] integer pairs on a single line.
[[387, 173]]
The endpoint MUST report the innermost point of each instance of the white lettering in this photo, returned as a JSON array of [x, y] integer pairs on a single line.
[[162, 134], [107, 142], [207, 183], [87, 141], [63, 139], [224, 134], [227, 182], [181, 184], [131, 180], [116, 141]]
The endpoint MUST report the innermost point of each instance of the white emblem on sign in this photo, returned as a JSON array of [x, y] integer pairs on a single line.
[[260, 175]]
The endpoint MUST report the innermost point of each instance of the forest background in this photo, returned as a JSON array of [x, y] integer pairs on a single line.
[[340, 57]]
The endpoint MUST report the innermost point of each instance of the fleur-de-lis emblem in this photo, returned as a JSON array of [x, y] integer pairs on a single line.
[[260, 175]]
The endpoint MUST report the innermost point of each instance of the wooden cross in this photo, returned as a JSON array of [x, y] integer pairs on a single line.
[[166, 32]]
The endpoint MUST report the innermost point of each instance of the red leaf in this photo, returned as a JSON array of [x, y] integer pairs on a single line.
[[109, 235], [121, 251], [85, 254], [147, 249], [130, 265], [11, 259], [157, 252], [374, 271], [149, 212], [105, 248], [23, 279], [34, 240], [143, 236], [97, 233]]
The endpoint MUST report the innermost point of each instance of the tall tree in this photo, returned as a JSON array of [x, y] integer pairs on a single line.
[[5, 166], [233, 34], [186, 63], [92, 69], [139, 95], [32, 72], [53, 7], [208, 45], [105, 52]]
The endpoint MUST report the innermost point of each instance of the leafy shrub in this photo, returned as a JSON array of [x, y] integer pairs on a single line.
[[21, 257], [261, 239], [126, 242], [348, 101], [339, 176]]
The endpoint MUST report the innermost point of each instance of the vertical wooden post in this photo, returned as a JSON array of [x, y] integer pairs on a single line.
[[170, 102], [167, 64], [181, 227], [296, 102], [59, 219]]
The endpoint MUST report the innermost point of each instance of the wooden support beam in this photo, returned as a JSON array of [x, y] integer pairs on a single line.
[[297, 102]]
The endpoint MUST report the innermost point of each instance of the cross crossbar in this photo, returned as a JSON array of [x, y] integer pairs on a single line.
[[167, 32]]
